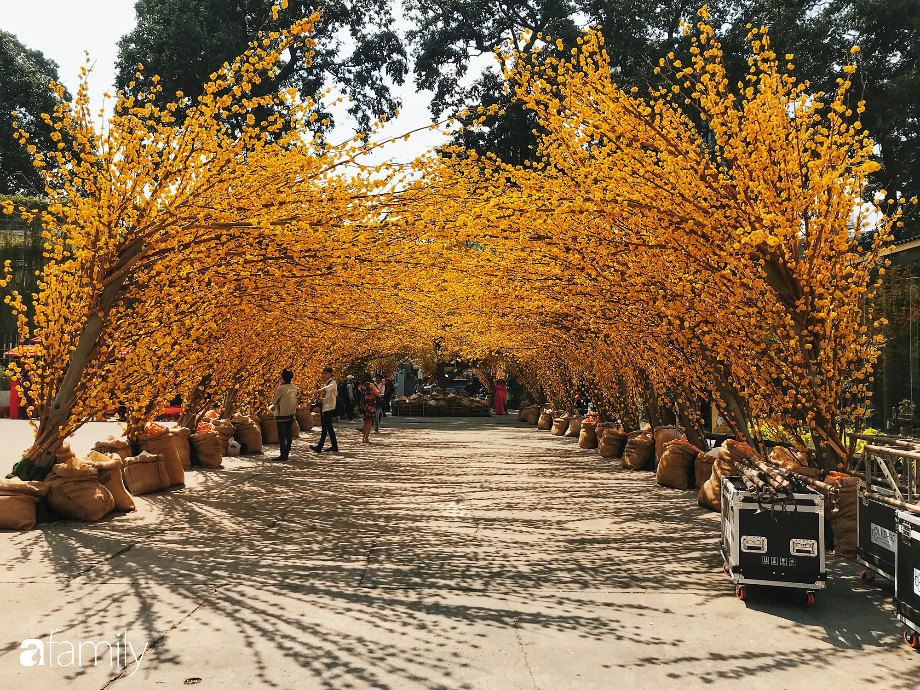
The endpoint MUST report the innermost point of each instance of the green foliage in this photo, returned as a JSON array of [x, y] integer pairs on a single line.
[[819, 35], [906, 408], [22, 245], [24, 78], [184, 41]]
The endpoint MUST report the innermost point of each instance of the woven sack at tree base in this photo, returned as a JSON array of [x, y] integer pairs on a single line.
[[317, 419], [664, 435], [146, 473], [532, 414], [843, 517], [639, 451], [522, 410], [64, 454], [207, 448], [111, 445], [703, 466], [164, 445], [601, 428], [295, 428], [545, 422], [587, 438], [248, 433], [676, 467], [304, 419], [111, 476], [17, 502], [613, 441], [710, 495], [224, 429], [269, 428], [560, 426], [75, 493], [179, 436], [574, 427]]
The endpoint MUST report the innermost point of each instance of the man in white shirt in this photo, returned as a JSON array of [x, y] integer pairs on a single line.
[[330, 392], [284, 405]]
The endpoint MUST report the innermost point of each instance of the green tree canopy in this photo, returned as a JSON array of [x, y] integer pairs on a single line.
[[24, 78], [184, 41]]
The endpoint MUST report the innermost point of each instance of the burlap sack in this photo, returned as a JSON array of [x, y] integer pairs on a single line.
[[843, 517], [703, 466], [710, 495], [146, 473], [317, 419], [111, 476], [601, 429], [248, 434], [64, 453], [522, 409], [664, 435], [224, 429], [179, 436], [545, 422], [574, 427], [639, 451], [269, 428], [207, 449], [677, 464], [295, 429], [112, 445], [75, 493], [587, 437], [17, 502], [613, 441], [165, 445], [304, 419], [532, 415], [560, 426]]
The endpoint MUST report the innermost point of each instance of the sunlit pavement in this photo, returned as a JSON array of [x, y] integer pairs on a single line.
[[448, 553]]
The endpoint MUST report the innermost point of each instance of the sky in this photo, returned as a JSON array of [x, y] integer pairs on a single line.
[[64, 30]]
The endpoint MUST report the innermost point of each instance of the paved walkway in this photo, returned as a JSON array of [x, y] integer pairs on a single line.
[[447, 554]]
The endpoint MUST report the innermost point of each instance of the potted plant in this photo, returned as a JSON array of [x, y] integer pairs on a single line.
[[906, 415]]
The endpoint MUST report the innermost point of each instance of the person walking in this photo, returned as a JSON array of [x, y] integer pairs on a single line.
[[381, 391], [284, 405], [388, 394], [352, 397], [329, 392], [369, 393], [501, 393]]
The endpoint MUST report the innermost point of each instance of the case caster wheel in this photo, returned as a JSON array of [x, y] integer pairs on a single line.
[[911, 639], [725, 569], [867, 576], [809, 598], [741, 592]]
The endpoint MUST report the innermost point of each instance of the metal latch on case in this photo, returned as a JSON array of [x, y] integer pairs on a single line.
[[803, 547], [751, 544]]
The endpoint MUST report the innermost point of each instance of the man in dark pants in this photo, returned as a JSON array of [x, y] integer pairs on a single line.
[[284, 405], [329, 391]]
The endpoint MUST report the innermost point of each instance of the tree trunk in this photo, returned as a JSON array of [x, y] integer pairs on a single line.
[[691, 423], [42, 455], [196, 403]]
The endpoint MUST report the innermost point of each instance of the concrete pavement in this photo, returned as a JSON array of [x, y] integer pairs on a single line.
[[449, 553]]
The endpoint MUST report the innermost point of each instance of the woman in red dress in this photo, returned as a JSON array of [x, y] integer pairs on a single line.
[[501, 392], [369, 396]]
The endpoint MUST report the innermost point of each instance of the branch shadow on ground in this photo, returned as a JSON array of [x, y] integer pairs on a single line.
[[372, 568]]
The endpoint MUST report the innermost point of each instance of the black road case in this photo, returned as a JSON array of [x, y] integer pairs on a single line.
[[907, 575], [776, 547], [876, 532]]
